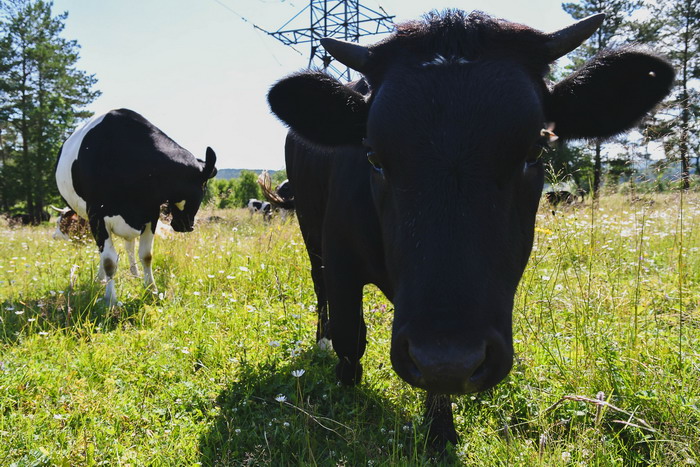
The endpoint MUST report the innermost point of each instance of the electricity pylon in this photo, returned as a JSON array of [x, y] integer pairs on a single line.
[[340, 19]]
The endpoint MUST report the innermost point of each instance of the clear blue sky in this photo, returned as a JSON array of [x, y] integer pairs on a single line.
[[201, 73]]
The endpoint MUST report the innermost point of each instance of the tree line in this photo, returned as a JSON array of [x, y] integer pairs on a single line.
[[44, 95], [669, 27]]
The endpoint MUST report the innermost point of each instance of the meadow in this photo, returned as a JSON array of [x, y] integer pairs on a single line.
[[220, 366]]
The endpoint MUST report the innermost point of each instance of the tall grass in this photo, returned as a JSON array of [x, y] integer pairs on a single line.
[[220, 367]]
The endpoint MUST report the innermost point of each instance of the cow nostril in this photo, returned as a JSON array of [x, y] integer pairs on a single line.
[[452, 370], [480, 372], [412, 366]]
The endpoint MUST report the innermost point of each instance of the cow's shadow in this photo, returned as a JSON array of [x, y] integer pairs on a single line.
[[78, 308], [268, 416]]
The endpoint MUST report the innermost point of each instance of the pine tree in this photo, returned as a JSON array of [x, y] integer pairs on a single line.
[[615, 30], [44, 94], [678, 34]]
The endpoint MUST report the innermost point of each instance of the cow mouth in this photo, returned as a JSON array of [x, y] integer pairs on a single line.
[[182, 227], [452, 371]]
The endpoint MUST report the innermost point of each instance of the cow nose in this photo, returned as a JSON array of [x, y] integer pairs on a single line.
[[453, 367]]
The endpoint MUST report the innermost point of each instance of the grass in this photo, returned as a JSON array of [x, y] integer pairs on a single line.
[[606, 326]]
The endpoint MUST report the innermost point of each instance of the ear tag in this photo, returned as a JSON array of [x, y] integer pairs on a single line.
[[547, 133], [180, 205]]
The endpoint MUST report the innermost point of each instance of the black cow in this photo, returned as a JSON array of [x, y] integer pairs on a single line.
[[116, 171], [428, 184], [555, 198], [26, 219]]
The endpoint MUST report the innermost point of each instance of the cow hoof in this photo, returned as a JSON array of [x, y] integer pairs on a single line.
[[348, 373], [325, 344]]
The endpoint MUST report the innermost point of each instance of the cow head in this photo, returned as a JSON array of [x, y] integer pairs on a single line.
[[184, 203], [70, 226], [453, 127]]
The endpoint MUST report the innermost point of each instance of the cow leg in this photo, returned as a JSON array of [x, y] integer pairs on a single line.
[[441, 427], [129, 245], [146, 256], [323, 330], [108, 256], [108, 265], [347, 327]]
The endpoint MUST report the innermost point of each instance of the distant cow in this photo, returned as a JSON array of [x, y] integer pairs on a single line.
[[263, 207], [69, 225], [428, 184], [282, 197], [26, 219], [555, 198], [116, 171]]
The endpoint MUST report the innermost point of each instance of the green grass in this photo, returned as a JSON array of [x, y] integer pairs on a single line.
[[606, 326]]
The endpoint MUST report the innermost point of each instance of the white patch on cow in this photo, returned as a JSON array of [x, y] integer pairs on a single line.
[[117, 225], [439, 60], [325, 344], [181, 205], [69, 153]]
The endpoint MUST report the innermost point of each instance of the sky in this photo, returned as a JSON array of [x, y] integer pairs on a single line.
[[200, 71]]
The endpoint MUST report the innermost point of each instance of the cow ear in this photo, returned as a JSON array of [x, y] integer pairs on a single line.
[[609, 94], [320, 108], [209, 170]]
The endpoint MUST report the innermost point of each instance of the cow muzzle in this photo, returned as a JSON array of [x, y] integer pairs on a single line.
[[451, 365], [180, 225]]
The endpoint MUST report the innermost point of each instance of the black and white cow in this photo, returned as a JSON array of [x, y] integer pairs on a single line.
[[69, 225], [263, 207], [427, 182], [116, 171]]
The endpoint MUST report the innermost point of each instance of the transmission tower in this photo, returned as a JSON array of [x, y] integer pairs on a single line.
[[340, 19]]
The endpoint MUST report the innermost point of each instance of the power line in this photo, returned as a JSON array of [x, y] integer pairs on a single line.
[[255, 26], [343, 19]]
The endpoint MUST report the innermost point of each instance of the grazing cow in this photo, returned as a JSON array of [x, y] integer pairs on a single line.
[[281, 197], [116, 171], [285, 195], [263, 207], [26, 219], [428, 184], [558, 197], [69, 225]]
